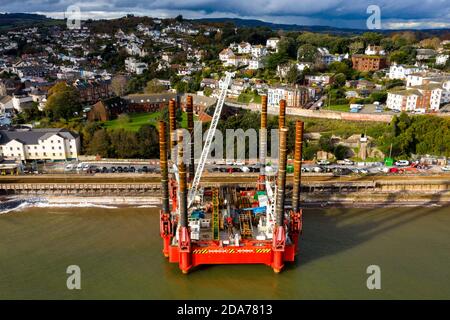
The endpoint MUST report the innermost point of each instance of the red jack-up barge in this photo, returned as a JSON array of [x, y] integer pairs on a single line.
[[223, 226]]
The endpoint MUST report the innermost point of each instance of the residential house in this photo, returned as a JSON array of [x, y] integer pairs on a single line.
[[373, 50], [105, 110], [295, 96], [39, 144], [425, 54], [226, 56], [272, 43], [22, 102], [320, 79], [148, 102], [209, 83], [256, 63], [134, 66], [244, 48], [421, 98], [6, 105], [258, 51], [399, 71], [93, 90], [441, 59]]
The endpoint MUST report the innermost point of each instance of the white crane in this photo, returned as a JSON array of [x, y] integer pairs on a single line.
[[209, 137]]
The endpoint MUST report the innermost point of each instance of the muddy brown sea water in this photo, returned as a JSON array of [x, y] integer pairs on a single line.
[[119, 253]]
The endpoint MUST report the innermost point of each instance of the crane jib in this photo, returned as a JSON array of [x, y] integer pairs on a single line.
[[209, 137]]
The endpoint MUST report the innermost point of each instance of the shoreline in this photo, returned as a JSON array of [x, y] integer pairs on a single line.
[[11, 203]]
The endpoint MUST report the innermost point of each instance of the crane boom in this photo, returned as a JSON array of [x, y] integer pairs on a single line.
[[209, 137]]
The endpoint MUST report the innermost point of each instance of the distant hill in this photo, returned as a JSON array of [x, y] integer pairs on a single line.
[[323, 29], [277, 26], [20, 20]]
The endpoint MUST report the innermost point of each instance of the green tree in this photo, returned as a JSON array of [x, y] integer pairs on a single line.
[[341, 152], [293, 75], [153, 86], [63, 102], [339, 80], [148, 139], [99, 144], [307, 52]]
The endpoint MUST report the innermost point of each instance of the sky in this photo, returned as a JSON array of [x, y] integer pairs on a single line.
[[394, 14]]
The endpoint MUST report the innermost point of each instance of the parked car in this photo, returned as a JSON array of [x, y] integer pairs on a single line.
[[69, 167], [402, 163], [323, 162], [446, 168]]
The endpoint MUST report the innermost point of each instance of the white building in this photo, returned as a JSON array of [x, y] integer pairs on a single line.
[[244, 47], [6, 105], [39, 144], [258, 51], [295, 96], [134, 66], [21, 102], [135, 50], [255, 64], [226, 55], [272, 43], [399, 71], [441, 59], [422, 98], [374, 51]]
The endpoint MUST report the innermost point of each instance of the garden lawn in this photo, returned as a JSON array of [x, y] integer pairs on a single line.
[[338, 107], [137, 120]]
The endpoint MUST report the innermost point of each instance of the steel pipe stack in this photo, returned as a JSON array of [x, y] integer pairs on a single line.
[[297, 165], [182, 185], [164, 167], [282, 116], [281, 179], [172, 128], [190, 125], [263, 137]]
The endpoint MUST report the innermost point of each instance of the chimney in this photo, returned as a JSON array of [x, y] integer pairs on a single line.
[[190, 125], [282, 116], [164, 168], [297, 165], [182, 184], [281, 178]]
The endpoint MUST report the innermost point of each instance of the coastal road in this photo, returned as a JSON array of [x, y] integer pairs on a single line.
[[208, 177]]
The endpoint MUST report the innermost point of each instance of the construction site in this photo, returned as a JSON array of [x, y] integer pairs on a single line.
[[207, 225]]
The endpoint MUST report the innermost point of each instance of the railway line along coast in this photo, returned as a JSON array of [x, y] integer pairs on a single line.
[[323, 189]]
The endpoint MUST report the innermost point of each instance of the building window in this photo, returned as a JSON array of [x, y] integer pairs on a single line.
[[54, 154]]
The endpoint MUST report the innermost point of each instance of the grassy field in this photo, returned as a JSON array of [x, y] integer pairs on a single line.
[[137, 120], [343, 128], [338, 107]]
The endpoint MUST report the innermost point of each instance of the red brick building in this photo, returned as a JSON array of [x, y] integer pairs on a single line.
[[108, 109], [363, 62]]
